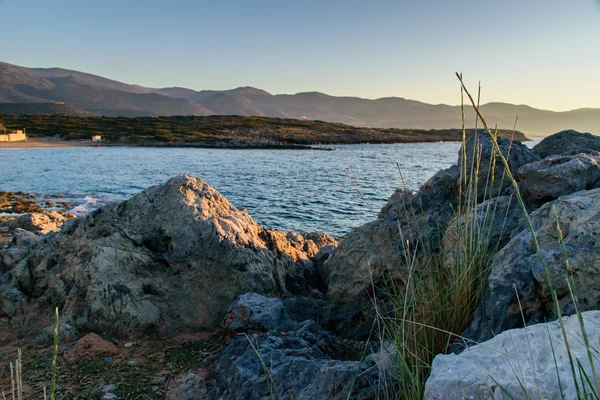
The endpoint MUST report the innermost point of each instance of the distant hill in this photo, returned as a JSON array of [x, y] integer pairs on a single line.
[[112, 98], [43, 109], [222, 131]]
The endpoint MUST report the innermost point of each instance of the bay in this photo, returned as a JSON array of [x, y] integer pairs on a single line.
[[286, 189]]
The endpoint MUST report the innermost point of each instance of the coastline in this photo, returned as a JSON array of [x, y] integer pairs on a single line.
[[40, 143]]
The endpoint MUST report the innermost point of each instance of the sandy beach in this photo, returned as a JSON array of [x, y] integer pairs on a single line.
[[32, 143]]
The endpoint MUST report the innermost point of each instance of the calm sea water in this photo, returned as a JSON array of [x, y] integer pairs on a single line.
[[285, 189]]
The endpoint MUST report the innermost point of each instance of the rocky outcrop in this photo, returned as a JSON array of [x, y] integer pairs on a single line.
[[517, 269], [169, 259], [488, 170], [38, 222], [525, 363], [568, 141], [555, 176], [292, 357]]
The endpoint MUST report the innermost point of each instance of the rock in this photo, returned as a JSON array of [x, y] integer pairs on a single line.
[[480, 146], [109, 396], [368, 254], [567, 141], [517, 267], [496, 221], [518, 364], [189, 387], [169, 259], [303, 364], [108, 388], [42, 222], [92, 345], [128, 345], [66, 334], [19, 248], [555, 176], [157, 381], [252, 311]]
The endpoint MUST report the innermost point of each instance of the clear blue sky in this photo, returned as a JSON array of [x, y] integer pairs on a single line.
[[545, 53]]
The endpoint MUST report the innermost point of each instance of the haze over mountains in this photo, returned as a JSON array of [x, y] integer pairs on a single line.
[[101, 96]]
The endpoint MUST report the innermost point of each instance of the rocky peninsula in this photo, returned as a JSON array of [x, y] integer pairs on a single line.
[[221, 131], [189, 298]]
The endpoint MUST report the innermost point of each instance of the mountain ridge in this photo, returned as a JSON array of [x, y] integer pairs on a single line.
[[99, 95]]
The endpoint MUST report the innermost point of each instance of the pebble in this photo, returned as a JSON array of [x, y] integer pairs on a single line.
[[108, 360], [159, 380], [132, 362], [128, 344], [109, 388]]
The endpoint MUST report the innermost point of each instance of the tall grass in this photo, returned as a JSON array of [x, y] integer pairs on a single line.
[[16, 371], [444, 286]]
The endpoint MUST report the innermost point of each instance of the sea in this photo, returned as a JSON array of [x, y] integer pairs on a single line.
[[301, 190]]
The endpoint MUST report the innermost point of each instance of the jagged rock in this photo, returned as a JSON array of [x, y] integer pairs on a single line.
[[251, 311], [169, 259], [493, 183], [42, 222], [368, 254], [492, 223], [567, 141], [517, 267], [306, 363], [555, 176], [519, 364], [23, 242]]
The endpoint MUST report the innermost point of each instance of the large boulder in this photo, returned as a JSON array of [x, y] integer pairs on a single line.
[[487, 168], [525, 363], [555, 176], [171, 258], [517, 269], [567, 141], [371, 252]]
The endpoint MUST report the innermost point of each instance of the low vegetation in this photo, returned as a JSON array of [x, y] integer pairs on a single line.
[[215, 131]]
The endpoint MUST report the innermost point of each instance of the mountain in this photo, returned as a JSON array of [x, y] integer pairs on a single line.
[[43, 109], [112, 98], [89, 92]]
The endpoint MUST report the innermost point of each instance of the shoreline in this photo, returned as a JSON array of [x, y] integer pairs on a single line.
[[41, 143]]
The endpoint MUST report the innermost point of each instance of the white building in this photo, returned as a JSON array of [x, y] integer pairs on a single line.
[[12, 135]]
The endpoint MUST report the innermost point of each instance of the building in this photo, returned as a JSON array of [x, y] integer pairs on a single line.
[[96, 139], [12, 135]]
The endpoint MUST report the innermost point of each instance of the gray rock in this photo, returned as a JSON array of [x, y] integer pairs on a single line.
[[189, 387], [369, 253], [555, 176], [171, 258], [517, 267], [518, 364], [305, 364], [66, 334], [493, 183], [496, 221], [157, 381], [567, 141], [252, 311]]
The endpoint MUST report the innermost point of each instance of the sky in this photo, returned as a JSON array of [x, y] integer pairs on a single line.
[[544, 53]]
